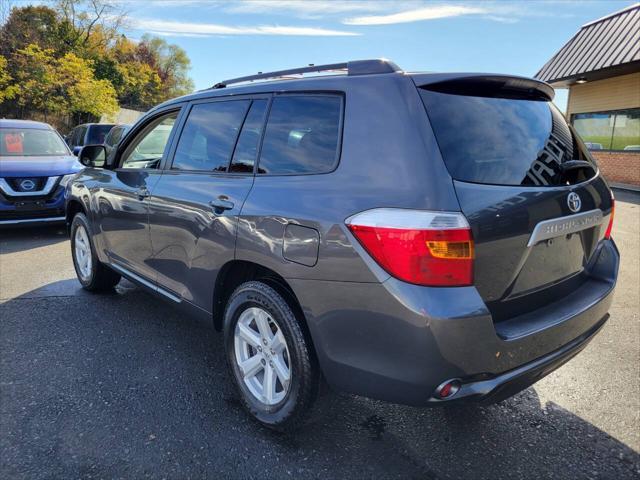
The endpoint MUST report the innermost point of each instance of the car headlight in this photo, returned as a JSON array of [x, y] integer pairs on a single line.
[[65, 179]]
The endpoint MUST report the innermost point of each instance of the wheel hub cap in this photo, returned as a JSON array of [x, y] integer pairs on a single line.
[[262, 356], [82, 252]]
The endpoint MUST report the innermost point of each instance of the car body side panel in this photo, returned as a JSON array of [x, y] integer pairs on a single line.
[[190, 240], [367, 176], [117, 215]]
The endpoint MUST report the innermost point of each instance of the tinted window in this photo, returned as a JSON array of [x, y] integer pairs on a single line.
[[504, 141], [97, 133], [302, 135], [147, 148], [247, 147], [79, 140], [209, 136], [73, 137], [113, 137]]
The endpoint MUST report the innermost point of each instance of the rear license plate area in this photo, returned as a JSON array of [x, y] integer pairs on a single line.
[[551, 261]]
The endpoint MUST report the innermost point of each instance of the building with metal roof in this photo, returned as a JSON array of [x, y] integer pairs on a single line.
[[600, 65]]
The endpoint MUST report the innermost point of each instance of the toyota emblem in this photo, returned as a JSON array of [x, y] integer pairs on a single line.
[[574, 202], [27, 185]]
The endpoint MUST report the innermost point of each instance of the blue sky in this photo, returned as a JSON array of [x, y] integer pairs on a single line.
[[232, 38]]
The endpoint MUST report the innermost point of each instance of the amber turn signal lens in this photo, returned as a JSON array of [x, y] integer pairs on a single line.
[[461, 250]]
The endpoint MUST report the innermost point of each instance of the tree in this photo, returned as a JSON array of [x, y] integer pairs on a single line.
[[141, 85], [78, 89], [64, 85], [91, 25], [7, 90], [73, 60], [171, 62], [33, 72], [36, 25]]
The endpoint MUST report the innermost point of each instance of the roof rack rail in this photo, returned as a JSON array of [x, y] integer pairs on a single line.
[[355, 67]]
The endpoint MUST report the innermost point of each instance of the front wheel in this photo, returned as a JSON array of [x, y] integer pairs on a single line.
[[91, 273], [271, 361]]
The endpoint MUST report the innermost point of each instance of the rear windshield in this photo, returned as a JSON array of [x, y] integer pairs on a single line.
[[506, 141], [97, 133]]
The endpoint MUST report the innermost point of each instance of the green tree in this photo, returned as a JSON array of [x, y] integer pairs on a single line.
[[36, 25], [63, 85], [33, 73], [171, 63], [7, 90], [74, 59], [141, 85], [78, 89]]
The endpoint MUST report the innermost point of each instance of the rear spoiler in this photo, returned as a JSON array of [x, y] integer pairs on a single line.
[[485, 85]]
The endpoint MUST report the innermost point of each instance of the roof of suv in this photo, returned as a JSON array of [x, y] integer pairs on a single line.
[[11, 123], [293, 79]]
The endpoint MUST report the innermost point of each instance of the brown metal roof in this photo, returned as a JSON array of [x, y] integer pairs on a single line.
[[608, 45]]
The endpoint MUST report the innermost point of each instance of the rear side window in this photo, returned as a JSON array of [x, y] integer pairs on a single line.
[[97, 133], [506, 141], [302, 135], [209, 136], [80, 134], [247, 147], [113, 137]]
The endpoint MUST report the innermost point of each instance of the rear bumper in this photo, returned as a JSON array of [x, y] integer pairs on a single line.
[[499, 387], [398, 342]]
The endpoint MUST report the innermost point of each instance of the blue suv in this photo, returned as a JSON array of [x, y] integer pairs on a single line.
[[35, 166]]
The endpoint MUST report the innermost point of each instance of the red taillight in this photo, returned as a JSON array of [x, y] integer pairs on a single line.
[[425, 248], [607, 233]]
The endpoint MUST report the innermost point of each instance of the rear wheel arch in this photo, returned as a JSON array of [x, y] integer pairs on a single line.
[[237, 272]]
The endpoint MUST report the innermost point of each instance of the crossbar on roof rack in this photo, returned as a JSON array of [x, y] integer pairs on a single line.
[[356, 67]]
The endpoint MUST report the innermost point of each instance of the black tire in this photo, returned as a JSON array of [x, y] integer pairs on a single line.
[[290, 412], [101, 278]]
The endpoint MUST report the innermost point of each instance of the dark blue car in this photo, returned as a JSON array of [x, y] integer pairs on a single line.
[[35, 166]]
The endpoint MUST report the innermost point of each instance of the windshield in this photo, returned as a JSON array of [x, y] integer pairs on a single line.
[[30, 142], [506, 141]]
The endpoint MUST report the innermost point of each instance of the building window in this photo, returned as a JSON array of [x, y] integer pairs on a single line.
[[616, 130]]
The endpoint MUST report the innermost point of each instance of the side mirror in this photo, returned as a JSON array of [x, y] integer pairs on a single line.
[[76, 150], [93, 156]]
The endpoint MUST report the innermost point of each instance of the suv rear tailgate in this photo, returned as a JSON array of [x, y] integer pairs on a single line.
[[513, 271], [529, 188]]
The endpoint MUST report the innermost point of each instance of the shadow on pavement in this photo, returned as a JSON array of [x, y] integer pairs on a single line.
[[122, 385], [627, 196], [21, 239]]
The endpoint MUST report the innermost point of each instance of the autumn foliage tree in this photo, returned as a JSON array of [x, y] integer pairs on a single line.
[[73, 60]]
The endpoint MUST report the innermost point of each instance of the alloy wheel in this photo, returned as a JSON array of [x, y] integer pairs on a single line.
[[262, 356], [82, 252]]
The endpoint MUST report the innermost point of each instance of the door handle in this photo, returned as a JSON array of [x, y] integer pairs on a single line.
[[221, 204], [142, 193]]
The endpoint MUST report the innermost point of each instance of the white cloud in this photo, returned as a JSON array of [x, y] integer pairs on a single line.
[[312, 7], [170, 28], [501, 19], [417, 15]]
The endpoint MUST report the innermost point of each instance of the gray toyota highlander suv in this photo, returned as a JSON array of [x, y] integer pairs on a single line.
[[426, 239]]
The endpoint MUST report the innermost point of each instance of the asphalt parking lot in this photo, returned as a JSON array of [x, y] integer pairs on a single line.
[[124, 386]]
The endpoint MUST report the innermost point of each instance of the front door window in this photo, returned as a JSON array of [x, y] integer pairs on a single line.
[[148, 148]]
